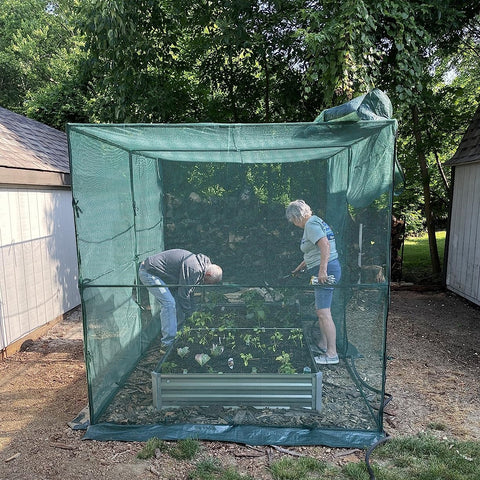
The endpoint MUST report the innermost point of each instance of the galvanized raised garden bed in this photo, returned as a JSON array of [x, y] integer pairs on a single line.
[[260, 367], [241, 389]]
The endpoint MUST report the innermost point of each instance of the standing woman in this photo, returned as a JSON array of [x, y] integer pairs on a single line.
[[320, 258]]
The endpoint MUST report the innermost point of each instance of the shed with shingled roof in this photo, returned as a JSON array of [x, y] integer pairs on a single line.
[[463, 245], [38, 284]]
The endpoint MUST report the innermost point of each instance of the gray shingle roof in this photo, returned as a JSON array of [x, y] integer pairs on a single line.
[[469, 149], [28, 144]]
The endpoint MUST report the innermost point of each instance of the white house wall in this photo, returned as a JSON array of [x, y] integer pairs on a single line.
[[463, 268], [38, 278]]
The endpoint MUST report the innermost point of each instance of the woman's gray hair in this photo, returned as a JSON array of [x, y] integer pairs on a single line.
[[297, 210]]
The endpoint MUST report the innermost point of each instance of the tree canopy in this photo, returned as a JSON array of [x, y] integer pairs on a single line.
[[253, 61]]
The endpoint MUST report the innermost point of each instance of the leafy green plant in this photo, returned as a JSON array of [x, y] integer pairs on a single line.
[[285, 363], [213, 298], [229, 320], [252, 340], [169, 367], [201, 319], [246, 357], [182, 351], [185, 334], [255, 304], [202, 358], [216, 350], [230, 340], [296, 335], [276, 337]]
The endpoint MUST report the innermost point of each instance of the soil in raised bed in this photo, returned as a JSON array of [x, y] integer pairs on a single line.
[[231, 351]]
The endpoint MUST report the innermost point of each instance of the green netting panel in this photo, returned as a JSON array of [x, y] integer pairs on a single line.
[[221, 190]]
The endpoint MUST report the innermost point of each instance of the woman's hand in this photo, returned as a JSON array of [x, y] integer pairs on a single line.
[[322, 276]]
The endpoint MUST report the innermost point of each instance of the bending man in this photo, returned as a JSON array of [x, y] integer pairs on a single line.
[[183, 269]]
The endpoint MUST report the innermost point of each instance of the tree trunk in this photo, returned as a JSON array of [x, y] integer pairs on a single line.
[[432, 240], [267, 90], [439, 166]]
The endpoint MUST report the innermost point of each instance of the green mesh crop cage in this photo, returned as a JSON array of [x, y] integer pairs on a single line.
[[221, 190]]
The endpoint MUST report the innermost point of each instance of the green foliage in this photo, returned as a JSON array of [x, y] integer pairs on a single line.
[[414, 457], [417, 457], [246, 357], [210, 469], [168, 367], [259, 61], [200, 319], [439, 426], [422, 456], [185, 449], [293, 469], [296, 336], [150, 447], [426, 457], [276, 337], [40, 56], [416, 257], [285, 363]]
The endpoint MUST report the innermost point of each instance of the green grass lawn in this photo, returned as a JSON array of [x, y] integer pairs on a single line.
[[416, 257], [416, 457]]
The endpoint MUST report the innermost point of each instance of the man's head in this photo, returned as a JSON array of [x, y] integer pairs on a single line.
[[213, 274]]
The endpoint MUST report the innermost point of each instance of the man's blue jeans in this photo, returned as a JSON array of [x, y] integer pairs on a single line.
[[168, 311]]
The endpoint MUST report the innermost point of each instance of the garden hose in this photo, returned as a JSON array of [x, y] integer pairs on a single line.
[[370, 451]]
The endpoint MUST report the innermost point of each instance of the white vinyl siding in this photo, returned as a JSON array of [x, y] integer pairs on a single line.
[[38, 279], [463, 266]]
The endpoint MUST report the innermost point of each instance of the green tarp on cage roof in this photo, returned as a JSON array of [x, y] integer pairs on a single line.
[[245, 143], [221, 189]]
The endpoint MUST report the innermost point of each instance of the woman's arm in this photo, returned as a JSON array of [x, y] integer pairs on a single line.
[[324, 247]]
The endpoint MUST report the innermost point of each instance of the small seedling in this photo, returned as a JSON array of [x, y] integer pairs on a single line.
[[183, 351], [202, 358], [216, 350], [296, 335], [276, 337], [246, 357]]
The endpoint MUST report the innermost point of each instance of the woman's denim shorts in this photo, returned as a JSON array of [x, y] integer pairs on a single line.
[[323, 295]]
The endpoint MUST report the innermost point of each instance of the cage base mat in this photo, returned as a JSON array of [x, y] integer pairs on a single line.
[[244, 434]]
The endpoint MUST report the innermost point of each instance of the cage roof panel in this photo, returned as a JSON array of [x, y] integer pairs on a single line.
[[242, 143]]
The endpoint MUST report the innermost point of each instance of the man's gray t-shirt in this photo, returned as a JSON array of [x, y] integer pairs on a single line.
[[179, 267], [314, 230]]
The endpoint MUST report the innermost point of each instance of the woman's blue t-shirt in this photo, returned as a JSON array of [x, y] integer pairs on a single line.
[[315, 229]]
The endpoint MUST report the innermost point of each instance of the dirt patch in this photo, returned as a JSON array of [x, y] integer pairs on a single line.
[[432, 375]]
